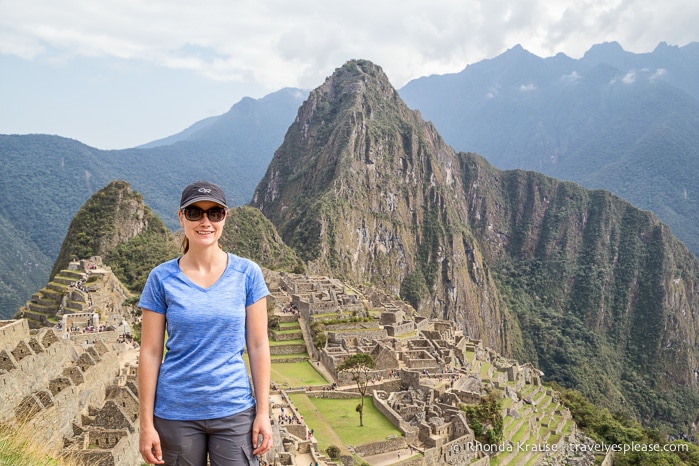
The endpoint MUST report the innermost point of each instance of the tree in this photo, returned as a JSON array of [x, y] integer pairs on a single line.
[[359, 365], [413, 288]]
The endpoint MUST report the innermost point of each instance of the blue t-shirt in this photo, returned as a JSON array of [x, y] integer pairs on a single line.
[[203, 375]]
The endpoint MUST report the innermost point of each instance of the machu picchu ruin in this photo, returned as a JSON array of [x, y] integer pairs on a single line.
[[69, 365], [425, 371]]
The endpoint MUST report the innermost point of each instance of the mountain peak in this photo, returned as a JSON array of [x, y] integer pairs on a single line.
[[354, 77], [606, 52], [516, 57], [364, 189], [327, 126], [114, 216]]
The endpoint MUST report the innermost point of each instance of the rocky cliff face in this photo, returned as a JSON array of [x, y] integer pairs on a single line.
[[595, 292], [368, 192]]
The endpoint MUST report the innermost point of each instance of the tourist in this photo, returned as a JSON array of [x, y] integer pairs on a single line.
[[198, 400]]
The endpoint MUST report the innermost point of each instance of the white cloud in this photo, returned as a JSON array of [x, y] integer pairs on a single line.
[[572, 78], [629, 78], [299, 43], [660, 72], [269, 44], [527, 87]]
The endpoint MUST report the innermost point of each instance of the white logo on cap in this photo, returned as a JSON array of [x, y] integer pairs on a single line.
[[204, 190]]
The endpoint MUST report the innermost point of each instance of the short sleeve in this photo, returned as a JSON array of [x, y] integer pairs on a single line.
[[256, 287], [153, 296]]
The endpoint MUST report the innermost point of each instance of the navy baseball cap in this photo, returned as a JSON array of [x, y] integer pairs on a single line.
[[202, 191]]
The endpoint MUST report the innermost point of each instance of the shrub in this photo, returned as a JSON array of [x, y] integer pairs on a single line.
[[333, 452]]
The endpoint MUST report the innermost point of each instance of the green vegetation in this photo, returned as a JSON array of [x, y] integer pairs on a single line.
[[17, 449], [334, 423], [133, 260], [614, 429], [333, 452], [248, 233], [297, 374], [486, 420], [413, 288], [99, 229], [588, 304]]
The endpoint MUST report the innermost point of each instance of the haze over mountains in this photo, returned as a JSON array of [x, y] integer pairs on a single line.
[[46, 179], [615, 120]]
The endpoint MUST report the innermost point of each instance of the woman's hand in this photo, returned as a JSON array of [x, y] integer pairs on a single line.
[[262, 428], [149, 446]]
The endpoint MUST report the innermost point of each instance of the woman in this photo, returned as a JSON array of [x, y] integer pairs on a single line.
[[198, 400]]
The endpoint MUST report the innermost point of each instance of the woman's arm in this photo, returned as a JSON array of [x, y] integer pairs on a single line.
[[260, 367], [152, 339]]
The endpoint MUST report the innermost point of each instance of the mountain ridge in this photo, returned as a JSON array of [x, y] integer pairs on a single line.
[[565, 276], [591, 120]]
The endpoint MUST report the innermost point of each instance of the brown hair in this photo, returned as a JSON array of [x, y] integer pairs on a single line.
[[184, 243]]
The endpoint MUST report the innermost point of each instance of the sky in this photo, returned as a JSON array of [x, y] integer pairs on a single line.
[[115, 74]]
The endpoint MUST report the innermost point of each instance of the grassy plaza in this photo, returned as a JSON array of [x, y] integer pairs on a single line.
[[335, 422]]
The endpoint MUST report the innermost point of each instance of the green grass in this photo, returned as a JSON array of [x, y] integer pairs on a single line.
[[289, 325], [297, 374], [287, 342], [336, 421], [17, 449], [522, 432], [286, 356]]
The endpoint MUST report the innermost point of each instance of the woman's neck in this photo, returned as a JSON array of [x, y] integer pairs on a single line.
[[204, 266], [203, 259]]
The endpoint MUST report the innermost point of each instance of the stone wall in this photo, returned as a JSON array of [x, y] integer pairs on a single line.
[[57, 391], [337, 336], [410, 433], [399, 329], [333, 394], [288, 349], [12, 331], [32, 373], [383, 446]]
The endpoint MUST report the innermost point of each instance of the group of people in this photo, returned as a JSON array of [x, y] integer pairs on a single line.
[[86, 329], [286, 418]]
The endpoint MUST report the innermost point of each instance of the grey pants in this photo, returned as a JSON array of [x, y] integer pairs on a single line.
[[227, 440]]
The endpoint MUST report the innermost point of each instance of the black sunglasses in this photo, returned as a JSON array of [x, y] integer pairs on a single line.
[[215, 214]]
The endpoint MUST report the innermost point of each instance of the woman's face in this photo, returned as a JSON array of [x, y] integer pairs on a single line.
[[202, 232]]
